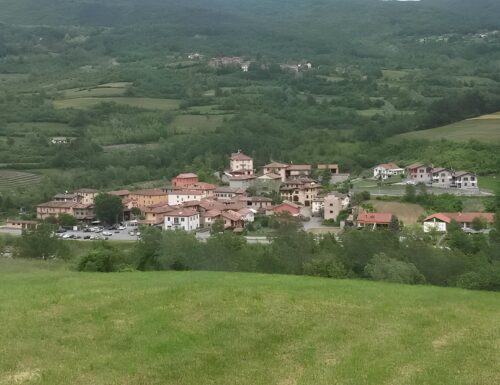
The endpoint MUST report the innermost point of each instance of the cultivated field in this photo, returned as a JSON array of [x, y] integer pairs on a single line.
[[197, 123], [146, 103], [406, 212], [10, 180], [61, 327], [485, 129]]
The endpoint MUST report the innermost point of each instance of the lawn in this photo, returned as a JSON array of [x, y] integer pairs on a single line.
[[485, 129], [146, 103], [491, 183], [406, 212], [62, 327]]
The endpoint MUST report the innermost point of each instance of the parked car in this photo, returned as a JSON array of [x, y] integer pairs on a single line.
[[107, 233], [87, 236]]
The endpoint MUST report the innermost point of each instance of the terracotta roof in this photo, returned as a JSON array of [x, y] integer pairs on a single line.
[[149, 192], [239, 156], [300, 167], [187, 175], [158, 209], [190, 203], [462, 173], [20, 221], [212, 213], [389, 166], [374, 218], [64, 196], [276, 165], [439, 169], [461, 217], [231, 215], [242, 177], [289, 204], [259, 199], [227, 189], [119, 192], [415, 165], [245, 211], [269, 175], [182, 213], [203, 186], [59, 204]]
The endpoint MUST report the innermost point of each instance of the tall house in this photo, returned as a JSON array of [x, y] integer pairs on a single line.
[[184, 180], [241, 164]]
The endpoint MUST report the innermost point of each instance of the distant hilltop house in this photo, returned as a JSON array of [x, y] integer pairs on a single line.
[[195, 56], [302, 66], [387, 170], [441, 177], [61, 140], [229, 61], [440, 221]]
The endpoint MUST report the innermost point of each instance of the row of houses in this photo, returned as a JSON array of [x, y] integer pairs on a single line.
[[440, 177]]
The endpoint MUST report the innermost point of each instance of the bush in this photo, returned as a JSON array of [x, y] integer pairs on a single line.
[[104, 260], [327, 266], [383, 268]]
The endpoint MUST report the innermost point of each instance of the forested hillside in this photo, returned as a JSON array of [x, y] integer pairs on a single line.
[[117, 77]]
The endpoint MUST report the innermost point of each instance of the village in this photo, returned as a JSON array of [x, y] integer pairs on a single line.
[[244, 196]]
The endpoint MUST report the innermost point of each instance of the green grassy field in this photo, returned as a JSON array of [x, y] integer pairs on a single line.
[[10, 180], [197, 123], [147, 103], [485, 129], [62, 327], [409, 213], [491, 183]]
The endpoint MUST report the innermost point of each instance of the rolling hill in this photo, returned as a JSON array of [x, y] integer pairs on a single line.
[[485, 128], [61, 327]]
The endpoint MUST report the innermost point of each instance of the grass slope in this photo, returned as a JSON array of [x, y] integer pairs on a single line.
[[406, 212], [60, 327], [485, 128]]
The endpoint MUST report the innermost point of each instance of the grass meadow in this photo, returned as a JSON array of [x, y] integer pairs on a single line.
[[146, 103], [485, 128], [63, 327]]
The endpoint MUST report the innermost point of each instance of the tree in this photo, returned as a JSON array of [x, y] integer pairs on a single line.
[[108, 208], [383, 268], [410, 193], [394, 225], [217, 227], [478, 224], [66, 220], [40, 243]]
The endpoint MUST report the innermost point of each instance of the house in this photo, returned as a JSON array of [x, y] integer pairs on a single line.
[[241, 164], [61, 140], [266, 183], [276, 168], [440, 221], [442, 177], [207, 189], [317, 205], [18, 224], [184, 180], [56, 208], [296, 171], [334, 203], [182, 219], [87, 195], [148, 197], [301, 191], [226, 192], [232, 220], [209, 217], [258, 203], [465, 180], [66, 197], [373, 220], [155, 215], [248, 215], [387, 170], [241, 181], [123, 194], [287, 207], [178, 197], [419, 173], [334, 168]]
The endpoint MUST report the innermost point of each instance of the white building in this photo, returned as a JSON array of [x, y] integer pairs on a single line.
[[178, 197], [387, 170], [182, 219], [241, 164], [317, 205]]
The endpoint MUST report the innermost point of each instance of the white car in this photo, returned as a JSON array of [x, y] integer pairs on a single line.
[[106, 233], [121, 228]]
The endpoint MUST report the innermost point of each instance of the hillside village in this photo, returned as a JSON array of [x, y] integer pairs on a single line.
[[244, 195]]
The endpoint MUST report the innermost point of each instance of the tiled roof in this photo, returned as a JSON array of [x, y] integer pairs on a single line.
[[239, 156], [461, 217], [300, 167], [462, 173], [328, 166], [374, 218], [182, 213], [276, 165], [212, 214], [269, 175], [187, 175], [389, 166], [231, 215], [86, 190], [242, 177], [186, 192], [149, 192], [119, 192]]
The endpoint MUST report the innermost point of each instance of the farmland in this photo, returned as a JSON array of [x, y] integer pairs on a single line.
[[225, 328], [11, 180], [146, 103], [409, 213], [485, 128]]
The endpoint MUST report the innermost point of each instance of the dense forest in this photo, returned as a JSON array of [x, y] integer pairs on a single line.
[[132, 84]]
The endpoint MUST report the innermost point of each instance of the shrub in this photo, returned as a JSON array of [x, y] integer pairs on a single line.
[[104, 260], [383, 268]]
